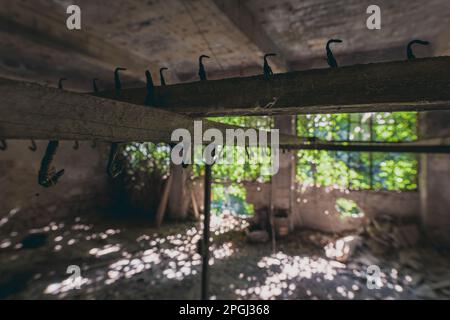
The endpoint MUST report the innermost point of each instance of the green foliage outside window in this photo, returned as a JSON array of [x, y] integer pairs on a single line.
[[358, 170], [246, 167]]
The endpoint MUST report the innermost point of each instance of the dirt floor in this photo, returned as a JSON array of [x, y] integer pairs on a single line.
[[129, 260]]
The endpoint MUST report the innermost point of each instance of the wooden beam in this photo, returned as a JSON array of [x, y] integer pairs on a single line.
[[419, 85], [32, 111]]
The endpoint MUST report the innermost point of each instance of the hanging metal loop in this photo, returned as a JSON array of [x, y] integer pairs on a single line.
[[114, 167], [117, 82], [94, 84], [33, 146], [161, 76], [409, 51], [330, 57], [266, 67], [149, 98], [201, 67], [3, 145], [47, 176]]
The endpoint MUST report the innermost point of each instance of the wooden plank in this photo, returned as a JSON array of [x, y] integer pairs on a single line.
[[32, 111], [419, 85], [163, 202], [194, 205]]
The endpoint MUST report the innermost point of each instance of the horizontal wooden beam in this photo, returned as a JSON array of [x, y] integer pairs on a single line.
[[419, 85], [32, 111]]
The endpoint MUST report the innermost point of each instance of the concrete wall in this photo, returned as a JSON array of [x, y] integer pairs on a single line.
[[434, 180], [83, 186], [315, 207]]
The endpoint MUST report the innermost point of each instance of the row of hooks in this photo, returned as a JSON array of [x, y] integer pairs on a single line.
[[48, 176]]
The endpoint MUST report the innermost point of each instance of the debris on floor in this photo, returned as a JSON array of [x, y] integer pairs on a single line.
[[132, 260]]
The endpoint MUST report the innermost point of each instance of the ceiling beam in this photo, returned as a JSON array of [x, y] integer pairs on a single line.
[[32, 111], [419, 85]]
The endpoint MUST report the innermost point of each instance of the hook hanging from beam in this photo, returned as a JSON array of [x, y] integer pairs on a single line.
[[330, 57], [60, 83], [201, 68], [117, 82], [266, 67], [114, 168], [161, 76], [47, 176], [33, 146], [94, 84], [409, 51], [3, 145], [206, 229], [150, 97]]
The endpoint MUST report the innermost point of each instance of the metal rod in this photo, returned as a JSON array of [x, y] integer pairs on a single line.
[[207, 215], [375, 147]]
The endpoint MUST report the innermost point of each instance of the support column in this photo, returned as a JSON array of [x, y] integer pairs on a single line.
[[434, 180], [283, 182], [205, 251]]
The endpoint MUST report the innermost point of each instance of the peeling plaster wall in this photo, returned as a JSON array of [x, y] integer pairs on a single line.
[[84, 185], [316, 207], [435, 180]]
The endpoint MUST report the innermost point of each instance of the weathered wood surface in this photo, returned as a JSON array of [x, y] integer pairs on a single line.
[[419, 85], [31, 111]]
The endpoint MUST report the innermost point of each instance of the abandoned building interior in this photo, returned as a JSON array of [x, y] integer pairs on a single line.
[[93, 207]]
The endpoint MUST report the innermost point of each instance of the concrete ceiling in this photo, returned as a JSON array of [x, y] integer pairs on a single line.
[[36, 45]]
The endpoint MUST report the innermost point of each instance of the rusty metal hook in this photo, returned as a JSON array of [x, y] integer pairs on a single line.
[[149, 98], [266, 68], [33, 146], [330, 57], [114, 168], [60, 83], [47, 176], [117, 82], [94, 84], [161, 76], [409, 51], [3, 145], [201, 68]]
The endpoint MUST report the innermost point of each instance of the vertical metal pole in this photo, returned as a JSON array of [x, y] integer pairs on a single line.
[[370, 153], [207, 214], [207, 206]]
